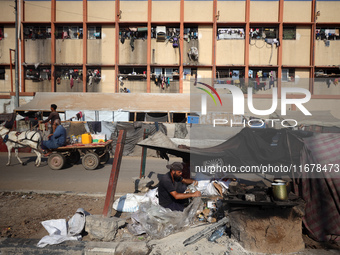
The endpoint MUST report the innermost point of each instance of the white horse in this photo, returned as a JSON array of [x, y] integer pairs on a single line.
[[14, 139]]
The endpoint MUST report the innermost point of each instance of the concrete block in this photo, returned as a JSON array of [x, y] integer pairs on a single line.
[[101, 228], [273, 231], [100, 248], [132, 248]]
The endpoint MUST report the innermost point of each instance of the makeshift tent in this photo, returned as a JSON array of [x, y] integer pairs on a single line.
[[248, 147], [321, 189]]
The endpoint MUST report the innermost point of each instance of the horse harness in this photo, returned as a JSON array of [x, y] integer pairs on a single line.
[[5, 139]]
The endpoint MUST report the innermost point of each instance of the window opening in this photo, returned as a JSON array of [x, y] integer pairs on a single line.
[[37, 32], [289, 33], [94, 33], [69, 32], [230, 33]]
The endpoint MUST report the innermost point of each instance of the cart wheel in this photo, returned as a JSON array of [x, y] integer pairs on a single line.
[[105, 158], [74, 157], [56, 161], [90, 161]]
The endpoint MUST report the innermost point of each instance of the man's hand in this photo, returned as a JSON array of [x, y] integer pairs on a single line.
[[50, 135], [197, 194]]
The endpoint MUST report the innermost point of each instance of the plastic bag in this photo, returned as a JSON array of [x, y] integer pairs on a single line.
[[129, 202], [159, 222]]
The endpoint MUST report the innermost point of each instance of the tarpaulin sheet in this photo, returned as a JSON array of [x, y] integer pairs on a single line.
[[134, 134], [322, 195]]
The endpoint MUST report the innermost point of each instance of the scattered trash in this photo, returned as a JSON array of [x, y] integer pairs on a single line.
[[159, 222], [217, 234], [130, 202], [60, 231], [206, 232]]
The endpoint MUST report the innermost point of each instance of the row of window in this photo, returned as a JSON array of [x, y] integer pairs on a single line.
[[164, 32]]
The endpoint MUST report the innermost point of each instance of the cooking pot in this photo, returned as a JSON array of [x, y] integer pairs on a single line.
[[279, 191]]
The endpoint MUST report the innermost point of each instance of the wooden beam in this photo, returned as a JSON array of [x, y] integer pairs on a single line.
[[181, 45], [246, 38], [148, 56], [111, 189], [53, 58], [312, 49], [214, 34], [279, 52], [84, 44], [117, 17]]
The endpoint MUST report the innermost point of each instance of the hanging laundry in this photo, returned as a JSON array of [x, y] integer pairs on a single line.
[[132, 43], [71, 82]]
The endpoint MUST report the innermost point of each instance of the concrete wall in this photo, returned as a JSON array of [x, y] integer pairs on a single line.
[[7, 10], [41, 86], [264, 11], [203, 73], [138, 56], [69, 11], [163, 53], [230, 52], [231, 11], [186, 49], [186, 86], [8, 42], [135, 86], [325, 56], [69, 51], [198, 10], [64, 86], [38, 51], [102, 51], [260, 51], [296, 52], [134, 10], [165, 11], [301, 80], [101, 10], [205, 44], [297, 11], [321, 88], [5, 85], [107, 82], [329, 11], [41, 7]]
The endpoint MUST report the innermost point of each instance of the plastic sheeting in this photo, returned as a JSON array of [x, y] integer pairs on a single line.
[[159, 222], [135, 132], [60, 231]]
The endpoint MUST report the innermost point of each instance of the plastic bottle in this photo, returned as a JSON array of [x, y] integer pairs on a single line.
[[217, 234]]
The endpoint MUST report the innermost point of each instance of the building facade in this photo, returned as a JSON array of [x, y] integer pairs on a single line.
[[153, 46]]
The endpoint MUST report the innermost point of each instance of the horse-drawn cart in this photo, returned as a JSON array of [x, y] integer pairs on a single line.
[[92, 155]]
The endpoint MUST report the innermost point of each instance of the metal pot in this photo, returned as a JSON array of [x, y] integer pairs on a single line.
[[279, 191]]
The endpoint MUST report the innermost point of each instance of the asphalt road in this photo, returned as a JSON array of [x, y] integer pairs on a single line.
[[75, 178]]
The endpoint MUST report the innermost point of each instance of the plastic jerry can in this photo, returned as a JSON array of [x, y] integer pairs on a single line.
[[86, 138]]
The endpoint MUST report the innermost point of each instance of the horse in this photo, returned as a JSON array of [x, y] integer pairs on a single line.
[[14, 139]]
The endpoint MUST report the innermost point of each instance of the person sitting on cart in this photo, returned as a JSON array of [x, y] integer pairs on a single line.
[[57, 139]]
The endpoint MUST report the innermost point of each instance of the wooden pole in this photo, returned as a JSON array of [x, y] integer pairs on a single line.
[[111, 189], [143, 160]]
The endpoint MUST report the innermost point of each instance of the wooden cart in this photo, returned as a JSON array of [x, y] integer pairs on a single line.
[[92, 155]]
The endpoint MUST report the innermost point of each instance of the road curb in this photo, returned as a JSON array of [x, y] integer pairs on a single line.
[[14, 246], [56, 192]]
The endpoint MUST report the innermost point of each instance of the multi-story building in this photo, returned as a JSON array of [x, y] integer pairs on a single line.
[[151, 46]]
